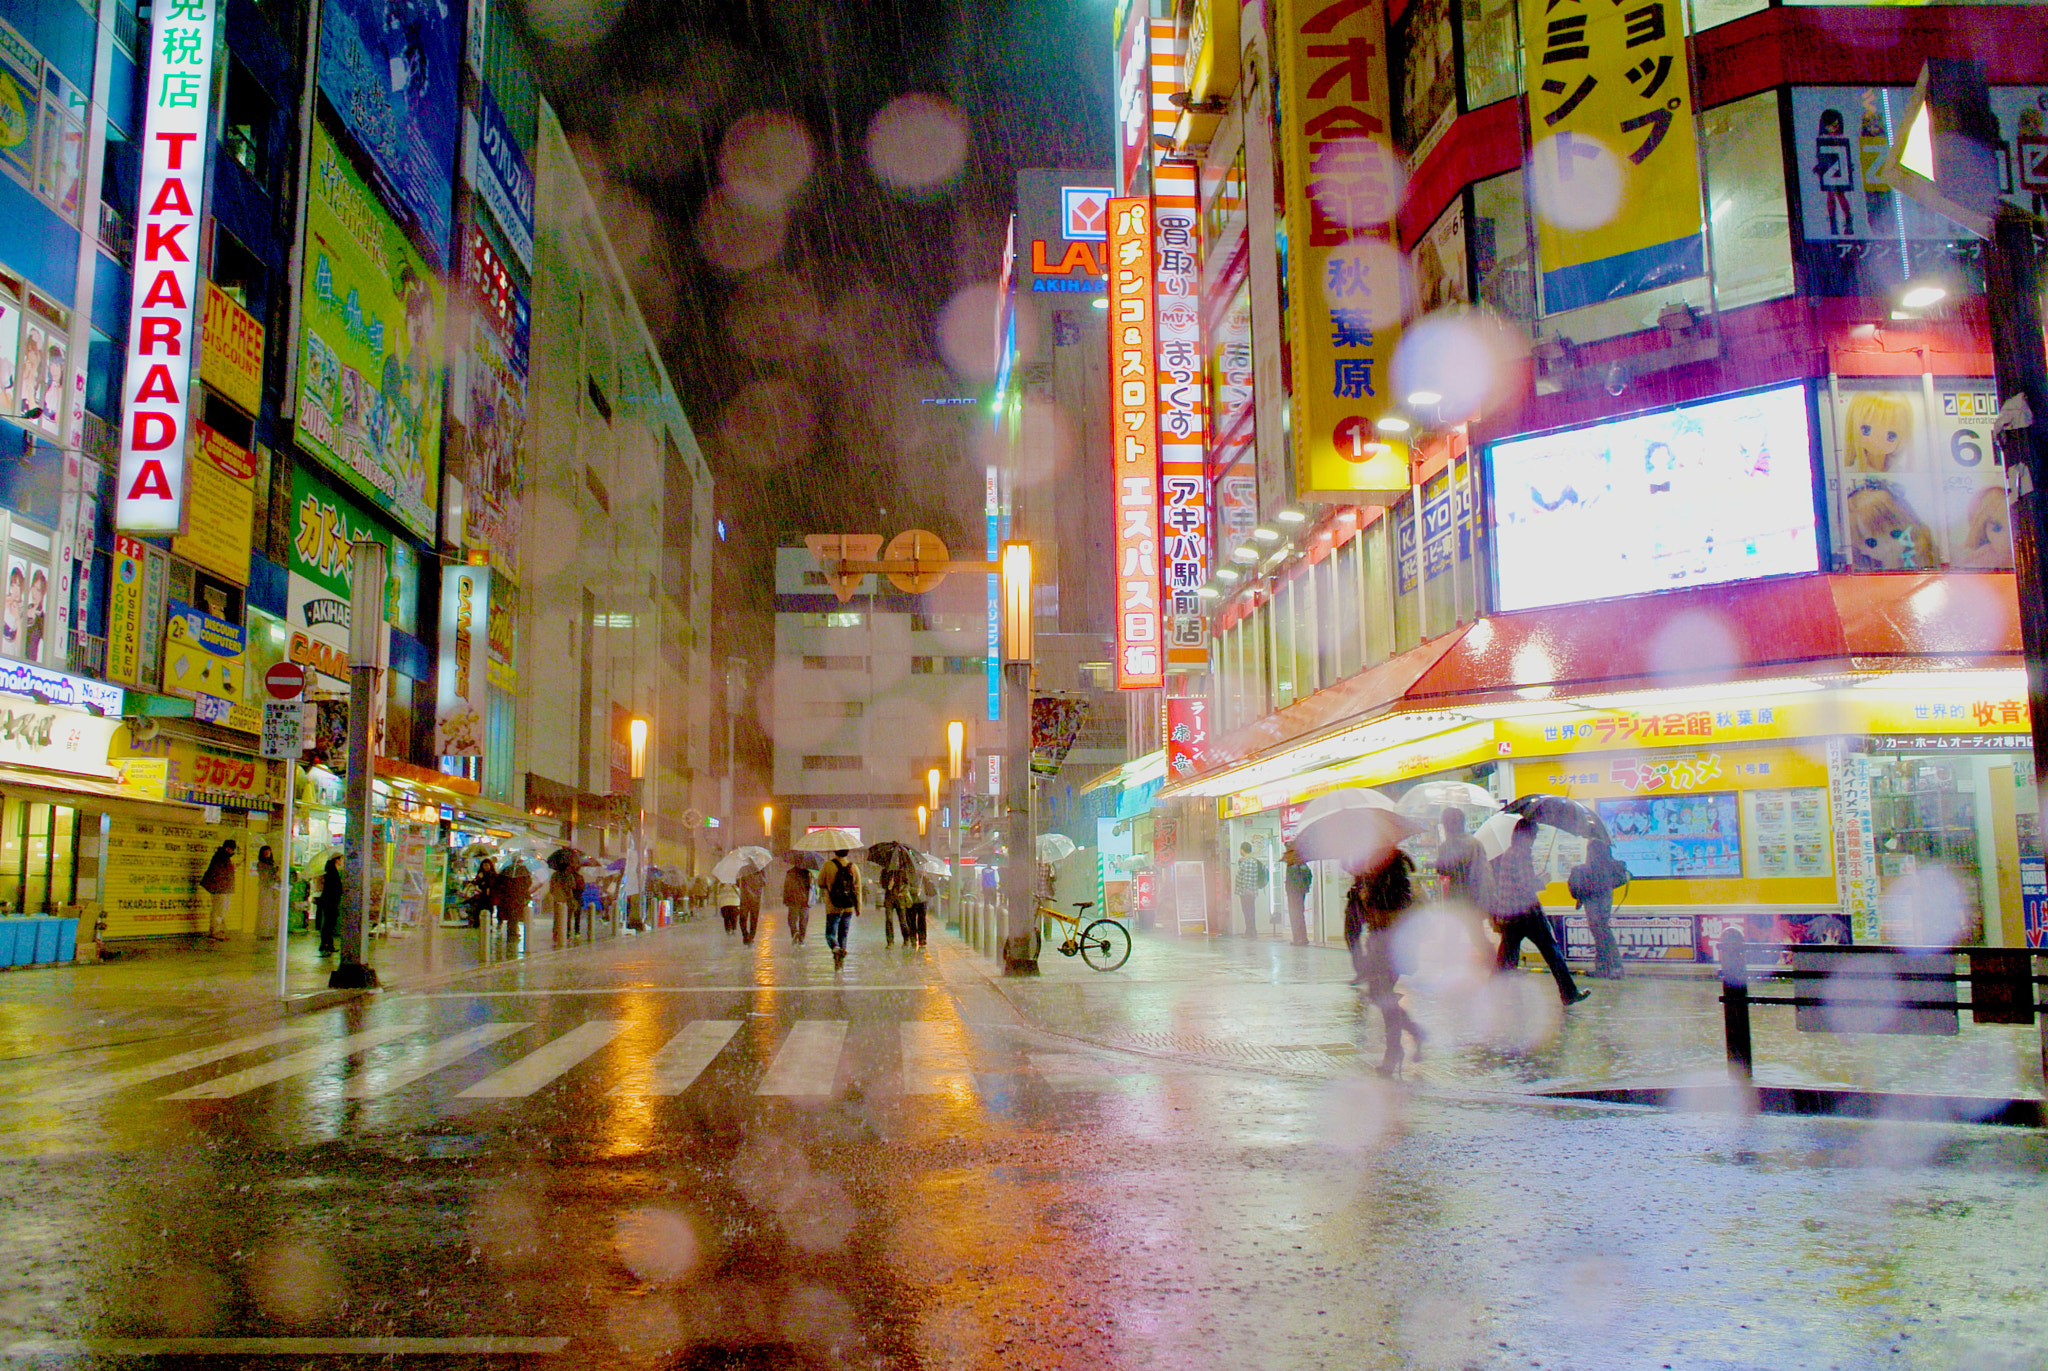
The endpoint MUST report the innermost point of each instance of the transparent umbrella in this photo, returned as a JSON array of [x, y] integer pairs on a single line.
[[1054, 847], [1354, 828], [828, 840]]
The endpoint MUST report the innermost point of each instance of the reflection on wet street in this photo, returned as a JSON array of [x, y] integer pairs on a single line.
[[642, 1153]]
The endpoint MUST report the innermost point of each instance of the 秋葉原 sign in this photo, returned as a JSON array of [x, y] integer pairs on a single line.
[[1134, 444], [156, 395]]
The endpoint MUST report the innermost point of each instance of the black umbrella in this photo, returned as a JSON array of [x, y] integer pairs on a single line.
[[1560, 812], [891, 854], [809, 861]]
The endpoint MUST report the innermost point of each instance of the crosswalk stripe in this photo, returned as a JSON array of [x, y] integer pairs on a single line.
[[250, 1078], [808, 1061], [682, 1058], [375, 1084], [934, 1058], [546, 1062], [92, 1088]]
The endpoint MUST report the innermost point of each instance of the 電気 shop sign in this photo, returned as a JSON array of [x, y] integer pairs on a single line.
[[156, 401]]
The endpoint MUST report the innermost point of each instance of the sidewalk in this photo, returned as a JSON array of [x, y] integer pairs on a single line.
[[186, 985], [1266, 1004]]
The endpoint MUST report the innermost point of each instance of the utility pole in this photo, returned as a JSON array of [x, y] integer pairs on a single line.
[[365, 656]]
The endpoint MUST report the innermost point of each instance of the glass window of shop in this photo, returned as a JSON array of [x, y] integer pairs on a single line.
[[1912, 483], [1307, 630], [1749, 230], [1281, 625], [38, 856], [1338, 575], [1957, 829], [1502, 262], [1493, 52], [1376, 587]]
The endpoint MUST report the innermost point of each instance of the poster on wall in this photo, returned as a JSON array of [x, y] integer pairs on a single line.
[[1681, 836], [1428, 77], [13, 610], [203, 655], [389, 69], [220, 508], [461, 676], [1914, 482], [1785, 833], [10, 353], [1702, 494], [21, 84], [371, 374], [496, 424], [1439, 262], [1858, 236]]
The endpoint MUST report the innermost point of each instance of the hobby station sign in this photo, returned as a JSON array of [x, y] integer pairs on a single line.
[[156, 408]]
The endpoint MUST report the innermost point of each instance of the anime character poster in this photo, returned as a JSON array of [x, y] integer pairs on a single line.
[[1915, 483], [389, 69]]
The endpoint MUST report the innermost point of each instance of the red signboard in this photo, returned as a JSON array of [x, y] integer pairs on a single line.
[[1187, 735], [1134, 437]]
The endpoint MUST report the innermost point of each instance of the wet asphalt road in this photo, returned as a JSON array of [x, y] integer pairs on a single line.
[[678, 1151]]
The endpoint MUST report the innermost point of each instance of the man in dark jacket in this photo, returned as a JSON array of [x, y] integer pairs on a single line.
[[796, 898], [218, 882], [1593, 883], [1518, 915], [1300, 876], [753, 885]]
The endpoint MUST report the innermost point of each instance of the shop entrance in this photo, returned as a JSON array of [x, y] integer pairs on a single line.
[[38, 856], [1956, 827]]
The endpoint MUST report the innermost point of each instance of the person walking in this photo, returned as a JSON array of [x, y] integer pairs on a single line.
[[1300, 876], [753, 885], [513, 898], [267, 878], [327, 905], [483, 892], [700, 893], [218, 881], [1593, 883], [729, 905], [1517, 914], [915, 911], [1250, 879], [1460, 861], [840, 880], [895, 904], [1378, 898], [796, 898]]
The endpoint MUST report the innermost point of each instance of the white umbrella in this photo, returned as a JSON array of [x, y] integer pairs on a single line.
[[933, 866], [1493, 835], [828, 840], [1352, 827], [1429, 800], [1054, 847], [739, 861]]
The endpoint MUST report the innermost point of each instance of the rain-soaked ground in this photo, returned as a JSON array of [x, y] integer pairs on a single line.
[[679, 1151]]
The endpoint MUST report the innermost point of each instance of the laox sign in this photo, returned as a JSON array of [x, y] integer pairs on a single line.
[[156, 403]]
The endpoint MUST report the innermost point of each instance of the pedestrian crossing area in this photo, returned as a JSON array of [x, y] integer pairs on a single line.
[[516, 1059]]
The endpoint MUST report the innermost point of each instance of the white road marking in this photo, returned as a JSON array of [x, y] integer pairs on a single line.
[[750, 988], [934, 1058], [546, 1062], [375, 1084], [683, 1058], [282, 1347], [269, 1073], [808, 1061], [95, 1086]]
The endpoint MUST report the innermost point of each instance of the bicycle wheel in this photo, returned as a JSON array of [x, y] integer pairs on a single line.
[[1105, 945]]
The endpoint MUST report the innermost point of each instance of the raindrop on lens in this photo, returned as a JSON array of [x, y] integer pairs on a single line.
[[917, 143], [1576, 181]]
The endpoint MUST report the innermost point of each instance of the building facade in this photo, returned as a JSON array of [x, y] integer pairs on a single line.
[[1630, 446]]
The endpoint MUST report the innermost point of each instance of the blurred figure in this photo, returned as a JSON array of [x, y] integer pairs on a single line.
[[1593, 883], [1300, 876], [564, 898], [1250, 880], [513, 898], [753, 885], [896, 901], [267, 877], [483, 892], [699, 893], [1377, 899], [327, 905], [1517, 914], [1460, 861], [218, 881], [839, 879], [729, 905], [915, 910], [796, 899]]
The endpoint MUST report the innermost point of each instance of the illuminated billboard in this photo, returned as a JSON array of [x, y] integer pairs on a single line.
[[1134, 439]]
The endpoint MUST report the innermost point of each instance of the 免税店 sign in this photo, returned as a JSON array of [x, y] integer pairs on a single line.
[[156, 399], [1134, 439]]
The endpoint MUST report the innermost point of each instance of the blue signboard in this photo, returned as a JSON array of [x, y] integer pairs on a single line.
[[498, 170], [389, 69]]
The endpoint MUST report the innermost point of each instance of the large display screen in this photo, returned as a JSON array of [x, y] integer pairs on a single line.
[[1699, 495], [1676, 835]]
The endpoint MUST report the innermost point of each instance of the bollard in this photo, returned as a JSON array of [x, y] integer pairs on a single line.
[[1735, 1002]]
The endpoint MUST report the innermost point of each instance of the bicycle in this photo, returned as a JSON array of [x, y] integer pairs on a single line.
[[1104, 944]]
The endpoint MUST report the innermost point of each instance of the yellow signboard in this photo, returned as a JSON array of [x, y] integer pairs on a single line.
[[202, 655], [1762, 717], [231, 350], [1344, 269], [1614, 165], [220, 510]]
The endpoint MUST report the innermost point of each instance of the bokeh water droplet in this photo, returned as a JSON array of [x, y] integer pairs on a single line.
[[917, 144]]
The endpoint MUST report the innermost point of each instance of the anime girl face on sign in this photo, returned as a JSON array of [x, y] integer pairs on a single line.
[[1987, 533], [1877, 429], [1884, 532]]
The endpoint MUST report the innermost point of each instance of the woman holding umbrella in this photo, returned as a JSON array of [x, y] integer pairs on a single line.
[[1518, 915], [1379, 896]]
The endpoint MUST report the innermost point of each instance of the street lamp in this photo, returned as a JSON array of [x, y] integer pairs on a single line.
[[924, 818], [931, 789], [767, 822], [956, 744], [1020, 941], [365, 656], [636, 851]]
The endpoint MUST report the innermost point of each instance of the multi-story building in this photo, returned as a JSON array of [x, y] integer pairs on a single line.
[[1587, 414], [860, 695], [259, 301]]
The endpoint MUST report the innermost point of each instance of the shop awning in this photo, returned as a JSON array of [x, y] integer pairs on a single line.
[[1149, 767], [64, 788]]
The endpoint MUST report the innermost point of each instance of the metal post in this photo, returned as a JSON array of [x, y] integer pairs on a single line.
[[284, 885], [365, 655], [1019, 924], [1735, 1004]]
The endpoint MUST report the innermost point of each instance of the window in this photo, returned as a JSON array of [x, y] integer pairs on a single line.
[[945, 623], [1499, 243], [825, 761], [236, 270], [814, 578], [835, 663], [946, 666], [834, 619], [1748, 226], [1493, 52], [246, 125]]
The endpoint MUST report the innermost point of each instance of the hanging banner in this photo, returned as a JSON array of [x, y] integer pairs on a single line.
[[325, 527], [1187, 735], [231, 349], [1615, 159], [156, 401], [498, 170], [1055, 723], [462, 673], [371, 374], [222, 508], [1183, 476], [1134, 435], [1344, 270]]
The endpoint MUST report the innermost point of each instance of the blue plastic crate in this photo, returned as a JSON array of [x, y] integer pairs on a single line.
[[10, 931], [67, 940], [46, 941]]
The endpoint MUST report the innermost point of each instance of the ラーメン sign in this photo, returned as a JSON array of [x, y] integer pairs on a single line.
[[163, 294], [1134, 439]]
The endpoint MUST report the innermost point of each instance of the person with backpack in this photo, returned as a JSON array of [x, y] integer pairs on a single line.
[[1378, 897], [840, 880], [1593, 883], [218, 882], [796, 899], [1250, 880]]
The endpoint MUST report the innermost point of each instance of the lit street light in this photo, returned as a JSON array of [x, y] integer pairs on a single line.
[[956, 743], [767, 821], [1020, 937]]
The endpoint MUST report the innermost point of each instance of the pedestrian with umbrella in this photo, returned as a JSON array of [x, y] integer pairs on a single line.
[[840, 881], [1300, 876], [1379, 896], [1518, 914], [1593, 883]]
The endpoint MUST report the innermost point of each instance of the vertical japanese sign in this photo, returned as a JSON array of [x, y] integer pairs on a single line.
[[1614, 161], [156, 400], [1344, 288], [465, 620], [124, 612], [1134, 438], [1133, 100], [1857, 885], [1183, 479], [1187, 735]]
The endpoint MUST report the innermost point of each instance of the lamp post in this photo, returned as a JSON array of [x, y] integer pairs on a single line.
[[1020, 931], [365, 656], [956, 744], [636, 733], [767, 824]]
